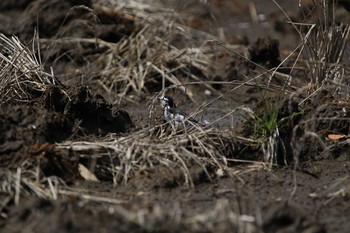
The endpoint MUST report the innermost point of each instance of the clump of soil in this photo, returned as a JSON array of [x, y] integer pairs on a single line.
[[56, 116], [65, 216], [20, 4], [265, 52], [94, 114], [327, 114], [23, 125], [284, 217]]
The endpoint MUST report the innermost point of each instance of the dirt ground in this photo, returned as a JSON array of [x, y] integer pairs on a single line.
[[310, 196]]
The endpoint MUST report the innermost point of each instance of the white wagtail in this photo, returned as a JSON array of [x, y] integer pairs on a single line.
[[174, 115]]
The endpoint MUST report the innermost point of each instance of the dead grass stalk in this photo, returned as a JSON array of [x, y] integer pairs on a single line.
[[160, 145], [21, 74]]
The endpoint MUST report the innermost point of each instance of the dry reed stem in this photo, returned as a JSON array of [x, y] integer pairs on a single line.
[[23, 182], [222, 215], [21, 73], [148, 55], [156, 145]]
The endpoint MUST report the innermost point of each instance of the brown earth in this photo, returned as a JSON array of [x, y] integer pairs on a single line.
[[310, 196]]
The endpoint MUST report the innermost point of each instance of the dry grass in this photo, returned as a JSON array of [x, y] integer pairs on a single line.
[[148, 59], [131, 65], [161, 145], [324, 46], [26, 182], [222, 216], [144, 58], [22, 76], [326, 43]]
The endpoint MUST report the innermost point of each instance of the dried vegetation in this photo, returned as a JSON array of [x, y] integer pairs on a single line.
[[147, 61], [143, 62]]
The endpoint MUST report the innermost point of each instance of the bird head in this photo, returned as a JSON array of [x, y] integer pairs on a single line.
[[167, 101]]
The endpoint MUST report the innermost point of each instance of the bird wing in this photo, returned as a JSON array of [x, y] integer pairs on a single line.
[[180, 115]]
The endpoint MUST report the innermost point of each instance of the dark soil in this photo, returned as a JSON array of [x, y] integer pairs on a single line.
[[311, 197]]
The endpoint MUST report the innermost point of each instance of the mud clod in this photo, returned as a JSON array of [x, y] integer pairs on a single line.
[[265, 52], [286, 218]]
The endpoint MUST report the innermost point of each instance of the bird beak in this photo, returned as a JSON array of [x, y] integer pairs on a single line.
[[160, 98]]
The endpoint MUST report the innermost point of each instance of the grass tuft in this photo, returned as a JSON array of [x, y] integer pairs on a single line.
[[22, 76], [160, 145]]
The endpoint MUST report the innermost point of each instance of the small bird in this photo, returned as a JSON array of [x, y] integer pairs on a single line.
[[174, 115]]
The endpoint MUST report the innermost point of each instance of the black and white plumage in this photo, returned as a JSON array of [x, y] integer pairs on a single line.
[[174, 115]]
